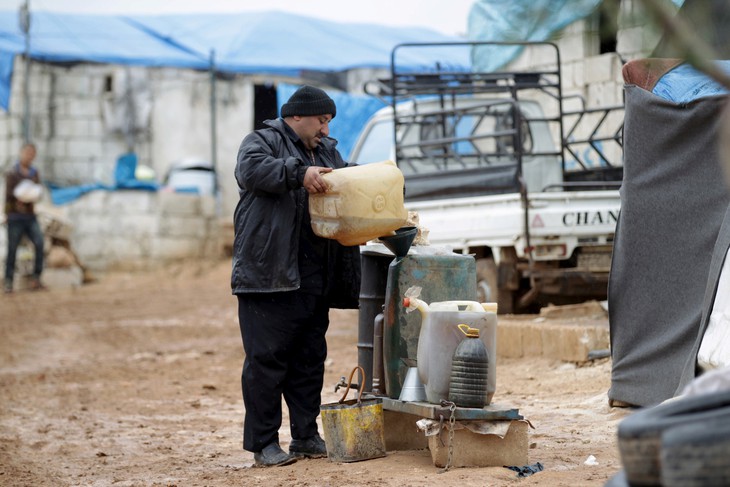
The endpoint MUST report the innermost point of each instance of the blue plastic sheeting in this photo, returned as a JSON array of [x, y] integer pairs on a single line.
[[284, 43], [254, 42], [6, 77], [353, 111], [105, 39], [61, 196], [519, 21], [124, 178], [684, 84]]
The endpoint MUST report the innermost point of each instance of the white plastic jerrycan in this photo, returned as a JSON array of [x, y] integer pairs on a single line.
[[440, 335], [361, 203]]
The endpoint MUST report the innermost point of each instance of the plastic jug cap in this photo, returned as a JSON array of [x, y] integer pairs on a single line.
[[469, 331]]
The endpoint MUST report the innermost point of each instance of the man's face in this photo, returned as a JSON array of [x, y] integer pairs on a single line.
[[27, 154], [311, 128]]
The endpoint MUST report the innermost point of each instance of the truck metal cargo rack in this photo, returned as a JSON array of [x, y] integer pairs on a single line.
[[478, 123]]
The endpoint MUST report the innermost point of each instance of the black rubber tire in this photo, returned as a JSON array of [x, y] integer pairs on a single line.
[[639, 435], [487, 287], [696, 455]]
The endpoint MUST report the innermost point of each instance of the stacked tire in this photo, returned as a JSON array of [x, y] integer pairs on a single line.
[[683, 442]]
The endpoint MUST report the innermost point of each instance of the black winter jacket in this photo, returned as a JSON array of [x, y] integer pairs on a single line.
[[270, 171]]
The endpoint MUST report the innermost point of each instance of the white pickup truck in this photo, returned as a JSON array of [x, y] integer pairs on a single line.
[[496, 167]]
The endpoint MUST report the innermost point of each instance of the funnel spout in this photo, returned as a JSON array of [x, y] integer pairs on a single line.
[[401, 241]]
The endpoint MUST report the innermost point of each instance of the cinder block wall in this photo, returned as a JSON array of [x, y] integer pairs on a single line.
[[84, 117], [141, 230], [586, 72]]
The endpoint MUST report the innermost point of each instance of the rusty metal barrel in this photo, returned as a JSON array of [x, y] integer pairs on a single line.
[[372, 298]]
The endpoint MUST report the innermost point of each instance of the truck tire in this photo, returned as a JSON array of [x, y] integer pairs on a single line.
[[488, 289], [696, 455], [640, 435]]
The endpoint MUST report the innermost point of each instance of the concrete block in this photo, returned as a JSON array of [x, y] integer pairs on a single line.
[[602, 94], [479, 450], [93, 202], [75, 84], [129, 202], [208, 206], [98, 83], [572, 343], [120, 248], [136, 224], [85, 148], [572, 48], [62, 277], [86, 108], [39, 84], [89, 248], [532, 340], [401, 432], [183, 226], [599, 68], [95, 129], [178, 203], [587, 309], [92, 225], [166, 248], [509, 341]]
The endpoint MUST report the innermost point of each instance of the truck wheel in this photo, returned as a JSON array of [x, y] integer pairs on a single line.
[[696, 455], [640, 435], [487, 288]]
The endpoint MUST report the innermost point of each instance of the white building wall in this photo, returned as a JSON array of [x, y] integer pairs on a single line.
[[82, 121]]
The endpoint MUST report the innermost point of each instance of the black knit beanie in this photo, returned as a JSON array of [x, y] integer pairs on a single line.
[[309, 100]]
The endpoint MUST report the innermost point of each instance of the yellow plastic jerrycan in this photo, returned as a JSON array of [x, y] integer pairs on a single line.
[[440, 336], [362, 203]]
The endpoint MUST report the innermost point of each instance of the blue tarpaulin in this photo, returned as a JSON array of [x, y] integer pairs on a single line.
[[124, 178], [520, 21], [255, 42]]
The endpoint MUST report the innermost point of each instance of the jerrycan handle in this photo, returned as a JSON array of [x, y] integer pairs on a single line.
[[468, 305], [469, 331], [362, 384]]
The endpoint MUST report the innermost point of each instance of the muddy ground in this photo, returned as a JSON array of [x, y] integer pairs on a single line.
[[134, 380]]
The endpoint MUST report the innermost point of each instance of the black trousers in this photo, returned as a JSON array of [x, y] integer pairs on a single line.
[[284, 341]]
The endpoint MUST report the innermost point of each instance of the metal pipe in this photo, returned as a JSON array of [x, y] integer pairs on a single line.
[[378, 372], [24, 20], [213, 127], [529, 297]]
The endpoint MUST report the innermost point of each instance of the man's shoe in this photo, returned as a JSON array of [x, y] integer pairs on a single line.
[[273, 456], [616, 403], [312, 447]]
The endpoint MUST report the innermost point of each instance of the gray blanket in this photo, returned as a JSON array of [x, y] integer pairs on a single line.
[[673, 200], [713, 279]]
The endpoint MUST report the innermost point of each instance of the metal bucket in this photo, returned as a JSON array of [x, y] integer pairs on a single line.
[[353, 430]]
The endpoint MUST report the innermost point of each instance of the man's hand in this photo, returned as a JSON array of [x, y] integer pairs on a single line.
[[313, 181]]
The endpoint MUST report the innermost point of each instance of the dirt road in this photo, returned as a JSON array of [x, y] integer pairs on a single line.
[[135, 381]]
